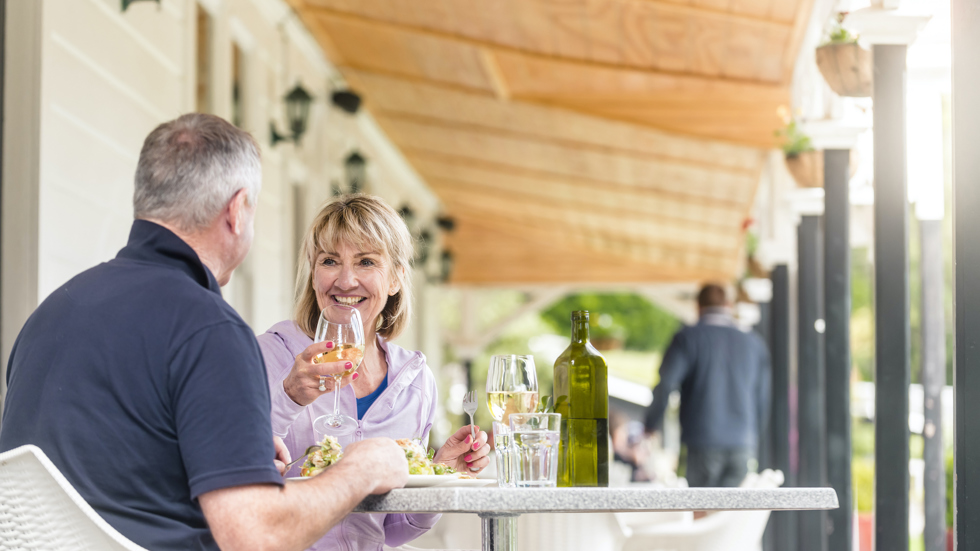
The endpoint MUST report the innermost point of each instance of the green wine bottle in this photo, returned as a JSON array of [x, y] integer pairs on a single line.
[[582, 398]]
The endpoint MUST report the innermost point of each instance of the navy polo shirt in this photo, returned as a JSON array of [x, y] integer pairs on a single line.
[[145, 388]]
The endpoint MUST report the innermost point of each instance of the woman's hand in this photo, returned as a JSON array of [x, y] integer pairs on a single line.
[[282, 455], [302, 385], [463, 453]]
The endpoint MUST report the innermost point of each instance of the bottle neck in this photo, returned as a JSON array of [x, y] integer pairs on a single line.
[[580, 330]]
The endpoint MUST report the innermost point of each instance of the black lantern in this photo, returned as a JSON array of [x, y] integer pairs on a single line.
[[422, 251], [348, 100], [447, 223], [126, 3], [356, 169], [446, 265], [297, 113], [407, 215]]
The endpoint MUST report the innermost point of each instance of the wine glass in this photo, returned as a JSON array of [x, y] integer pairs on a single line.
[[512, 386], [342, 325]]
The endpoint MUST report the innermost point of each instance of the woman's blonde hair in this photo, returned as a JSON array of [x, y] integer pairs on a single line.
[[367, 222]]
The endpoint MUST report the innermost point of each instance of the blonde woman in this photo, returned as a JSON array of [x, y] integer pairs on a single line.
[[357, 252]]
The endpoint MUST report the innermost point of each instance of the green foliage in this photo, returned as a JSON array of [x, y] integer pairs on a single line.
[[794, 140], [642, 325], [840, 35], [862, 314], [949, 489], [863, 483]]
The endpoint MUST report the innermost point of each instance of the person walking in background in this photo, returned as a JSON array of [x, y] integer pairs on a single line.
[[723, 375]]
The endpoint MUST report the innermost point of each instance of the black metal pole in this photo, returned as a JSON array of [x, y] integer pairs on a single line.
[[965, 15], [837, 342], [811, 381], [892, 333], [781, 531], [764, 329], [933, 372]]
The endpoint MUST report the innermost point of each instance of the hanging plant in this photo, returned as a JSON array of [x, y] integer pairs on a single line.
[[802, 161], [844, 64]]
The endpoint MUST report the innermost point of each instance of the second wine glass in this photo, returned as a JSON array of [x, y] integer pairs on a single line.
[[512, 386], [342, 325]]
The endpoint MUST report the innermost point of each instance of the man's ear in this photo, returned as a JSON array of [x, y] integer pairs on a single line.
[[236, 211]]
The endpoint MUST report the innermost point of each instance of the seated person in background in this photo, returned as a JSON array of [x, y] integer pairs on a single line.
[[148, 391], [627, 446], [723, 375], [358, 252]]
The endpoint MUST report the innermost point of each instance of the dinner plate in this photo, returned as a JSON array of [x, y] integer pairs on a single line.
[[429, 480], [445, 480]]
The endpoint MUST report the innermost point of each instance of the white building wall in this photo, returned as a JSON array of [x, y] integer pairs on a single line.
[[108, 78]]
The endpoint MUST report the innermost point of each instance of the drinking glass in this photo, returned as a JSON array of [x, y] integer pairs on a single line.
[[342, 325], [503, 450], [512, 386], [535, 439]]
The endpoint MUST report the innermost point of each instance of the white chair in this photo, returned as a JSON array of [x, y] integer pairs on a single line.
[[728, 530], [40, 511]]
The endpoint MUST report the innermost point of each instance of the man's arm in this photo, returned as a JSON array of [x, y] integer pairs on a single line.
[[673, 370], [263, 516]]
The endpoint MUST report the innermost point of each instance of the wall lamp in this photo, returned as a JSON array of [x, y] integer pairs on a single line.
[[126, 3], [347, 100], [355, 168], [298, 102]]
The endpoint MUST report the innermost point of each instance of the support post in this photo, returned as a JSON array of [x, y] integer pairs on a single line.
[[933, 372], [837, 342], [782, 524], [812, 409], [499, 532], [892, 332], [966, 265]]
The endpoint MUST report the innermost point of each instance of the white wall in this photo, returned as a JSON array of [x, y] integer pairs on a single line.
[[107, 78]]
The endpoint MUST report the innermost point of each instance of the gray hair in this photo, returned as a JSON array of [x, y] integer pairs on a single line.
[[190, 167]]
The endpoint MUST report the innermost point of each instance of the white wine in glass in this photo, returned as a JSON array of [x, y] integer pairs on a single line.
[[512, 386], [342, 325]]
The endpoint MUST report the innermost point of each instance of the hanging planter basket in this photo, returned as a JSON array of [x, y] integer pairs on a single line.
[[847, 68], [806, 168]]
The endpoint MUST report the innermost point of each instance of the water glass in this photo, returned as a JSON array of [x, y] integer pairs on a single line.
[[503, 445], [535, 443]]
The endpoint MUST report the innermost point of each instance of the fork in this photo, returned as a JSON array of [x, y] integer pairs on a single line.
[[308, 451], [469, 406]]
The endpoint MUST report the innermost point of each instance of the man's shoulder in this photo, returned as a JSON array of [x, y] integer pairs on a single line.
[[133, 288]]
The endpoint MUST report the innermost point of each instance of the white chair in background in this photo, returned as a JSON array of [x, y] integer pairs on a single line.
[[727, 530], [40, 511]]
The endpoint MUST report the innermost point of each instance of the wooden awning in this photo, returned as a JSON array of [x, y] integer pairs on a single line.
[[576, 141]]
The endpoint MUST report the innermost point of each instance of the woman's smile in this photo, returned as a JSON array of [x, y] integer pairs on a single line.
[[348, 300]]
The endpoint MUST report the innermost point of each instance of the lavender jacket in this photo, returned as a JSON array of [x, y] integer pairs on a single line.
[[404, 410]]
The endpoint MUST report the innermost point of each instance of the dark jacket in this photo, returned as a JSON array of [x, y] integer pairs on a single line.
[[723, 375]]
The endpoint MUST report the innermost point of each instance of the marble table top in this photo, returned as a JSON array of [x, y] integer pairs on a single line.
[[511, 501]]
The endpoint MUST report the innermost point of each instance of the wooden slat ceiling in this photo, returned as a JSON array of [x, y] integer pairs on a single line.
[[576, 141]]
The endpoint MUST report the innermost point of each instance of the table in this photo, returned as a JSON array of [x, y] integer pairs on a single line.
[[499, 508]]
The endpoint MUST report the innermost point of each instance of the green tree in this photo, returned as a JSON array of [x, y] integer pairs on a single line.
[[642, 325]]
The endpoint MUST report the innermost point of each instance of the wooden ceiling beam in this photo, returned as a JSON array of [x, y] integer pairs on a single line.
[[514, 254], [601, 167], [475, 170], [775, 38], [622, 226], [397, 98], [609, 198]]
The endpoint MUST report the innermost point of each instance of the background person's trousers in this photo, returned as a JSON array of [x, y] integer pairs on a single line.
[[717, 467]]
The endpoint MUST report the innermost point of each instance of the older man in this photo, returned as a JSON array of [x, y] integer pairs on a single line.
[[148, 391]]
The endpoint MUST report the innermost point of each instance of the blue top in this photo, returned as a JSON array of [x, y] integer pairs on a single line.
[[145, 388], [724, 376], [364, 403]]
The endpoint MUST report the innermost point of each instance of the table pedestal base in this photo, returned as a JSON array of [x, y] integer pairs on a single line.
[[499, 532]]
